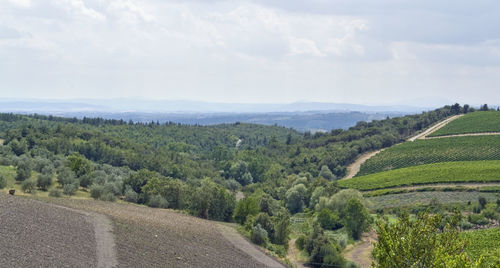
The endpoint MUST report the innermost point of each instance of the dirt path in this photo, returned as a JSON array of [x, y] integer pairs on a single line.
[[293, 254], [473, 185], [353, 168], [463, 135], [434, 128], [103, 232], [360, 253], [241, 243]]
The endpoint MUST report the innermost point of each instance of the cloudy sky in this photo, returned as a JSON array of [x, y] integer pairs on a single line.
[[369, 52]]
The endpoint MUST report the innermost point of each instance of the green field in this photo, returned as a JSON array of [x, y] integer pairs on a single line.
[[424, 198], [476, 122], [461, 171], [422, 152], [481, 241]]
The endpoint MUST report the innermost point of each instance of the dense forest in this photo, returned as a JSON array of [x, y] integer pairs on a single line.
[[199, 169]]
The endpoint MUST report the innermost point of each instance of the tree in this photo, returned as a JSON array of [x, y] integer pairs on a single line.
[[329, 220], [326, 173], [420, 243], [44, 181], [295, 198], [466, 108], [29, 186], [23, 170], [79, 164], [3, 182], [281, 228], [356, 218], [484, 107], [246, 207]]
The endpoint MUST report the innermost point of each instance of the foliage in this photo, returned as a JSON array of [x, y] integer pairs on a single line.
[[55, 192], [3, 181], [356, 218], [476, 122], [44, 181], [70, 188], [29, 186], [212, 201], [259, 235], [468, 171], [157, 201], [79, 164], [24, 170], [419, 243], [296, 197], [481, 241], [431, 151], [329, 220], [247, 206]]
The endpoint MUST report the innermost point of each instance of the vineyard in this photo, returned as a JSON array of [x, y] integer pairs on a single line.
[[481, 241], [477, 122], [447, 172], [433, 151]]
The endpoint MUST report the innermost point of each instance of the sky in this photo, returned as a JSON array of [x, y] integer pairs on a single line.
[[274, 51]]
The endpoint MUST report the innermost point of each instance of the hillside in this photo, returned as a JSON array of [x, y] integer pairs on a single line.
[[477, 122]]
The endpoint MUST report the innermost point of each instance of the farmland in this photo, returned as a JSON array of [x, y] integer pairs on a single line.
[[462, 171], [422, 152], [477, 122], [481, 241], [424, 198]]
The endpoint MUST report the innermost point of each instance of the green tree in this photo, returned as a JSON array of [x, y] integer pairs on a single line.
[[329, 220], [23, 170], [356, 218], [246, 207], [420, 243], [79, 164], [326, 173], [3, 181], [295, 197], [44, 181]]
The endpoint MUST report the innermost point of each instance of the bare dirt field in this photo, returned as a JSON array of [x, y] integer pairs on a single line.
[[34, 234], [148, 237]]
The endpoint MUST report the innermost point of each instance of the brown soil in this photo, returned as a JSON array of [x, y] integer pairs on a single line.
[[148, 237], [293, 254], [34, 234], [434, 128], [353, 168], [360, 253]]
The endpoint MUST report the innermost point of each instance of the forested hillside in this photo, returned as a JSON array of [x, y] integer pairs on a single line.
[[199, 168]]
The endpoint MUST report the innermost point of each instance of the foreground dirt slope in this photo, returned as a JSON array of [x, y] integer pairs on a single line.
[[147, 237], [33, 234]]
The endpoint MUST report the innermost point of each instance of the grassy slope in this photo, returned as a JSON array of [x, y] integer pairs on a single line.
[[463, 171], [482, 240], [434, 151], [424, 198], [9, 172], [472, 123]]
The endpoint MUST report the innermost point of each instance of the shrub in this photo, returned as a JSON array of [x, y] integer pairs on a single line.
[[23, 171], [29, 186], [356, 218], [477, 219], [44, 181], [329, 220], [96, 191], [131, 195], [259, 235], [54, 192], [482, 202], [108, 196], [3, 182], [157, 201], [300, 242], [246, 207], [70, 189]]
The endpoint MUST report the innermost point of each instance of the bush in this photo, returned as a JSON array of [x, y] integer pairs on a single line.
[[29, 186], [108, 196], [300, 242], [96, 191], [70, 189], [3, 182], [131, 195], [259, 235], [477, 219], [23, 171], [482, 202], [329, 220], [54, 192], [44, 181], [157, 201], [490, 213]]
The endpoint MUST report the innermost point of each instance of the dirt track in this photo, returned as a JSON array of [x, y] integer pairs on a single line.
[[434, 128], [148, 237], [353, 168], [360, 253]]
